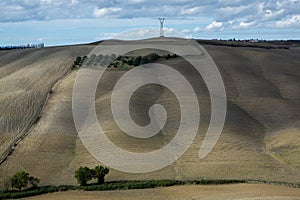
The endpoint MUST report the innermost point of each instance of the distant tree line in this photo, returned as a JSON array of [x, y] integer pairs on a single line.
[[28, 46]]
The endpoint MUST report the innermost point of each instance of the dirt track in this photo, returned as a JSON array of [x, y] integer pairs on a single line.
[[192, 192]]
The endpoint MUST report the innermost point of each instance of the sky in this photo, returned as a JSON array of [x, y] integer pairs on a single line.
[[61, 22]]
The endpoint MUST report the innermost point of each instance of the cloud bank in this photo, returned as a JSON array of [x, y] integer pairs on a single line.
[[224, 14]]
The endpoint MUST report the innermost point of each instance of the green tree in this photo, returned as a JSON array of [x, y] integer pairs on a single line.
[[93, 56], [84, 60], [130, 61], [113, 56], [78, 60], [168, 56], [33, 181], [83, 175], [99, 173], [124, 60], [6, 185], [144, 60], [152, 57], [174, 55], [137, 61], [21, 180]]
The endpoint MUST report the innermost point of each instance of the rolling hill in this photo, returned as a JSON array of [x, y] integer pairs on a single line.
[[260, 139]]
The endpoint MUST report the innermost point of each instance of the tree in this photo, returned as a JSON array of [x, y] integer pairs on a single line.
[[93, 56], [113, 56], [152, 57], [33, 181], [168, 56], [99, 173], [124, 60], [78, 61], [137, 61], [174, 55], [6, 185], [144, 60], [84, 60], [83, 175], [130, 61], [21, 180]]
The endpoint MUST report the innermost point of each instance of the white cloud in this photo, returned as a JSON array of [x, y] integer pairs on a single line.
[[46, 1], [294, 21], [232, 11], [191, 11], [224, 14], [186, 30], [244, 25], [14, 8], [143, 33], [197, 29], [214, 26], [271, 14], [105, 12], [74, 2], [136, 1]]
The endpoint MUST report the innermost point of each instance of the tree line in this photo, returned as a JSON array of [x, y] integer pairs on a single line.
[[114, 61], [22, 179]]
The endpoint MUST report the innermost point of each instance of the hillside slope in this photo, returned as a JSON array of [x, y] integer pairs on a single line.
[[26, 78], [259, 140]]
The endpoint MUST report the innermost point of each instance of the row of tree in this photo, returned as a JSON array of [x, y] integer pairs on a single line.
[[41, 45], [23, 179], [94, 60], [118, 61]]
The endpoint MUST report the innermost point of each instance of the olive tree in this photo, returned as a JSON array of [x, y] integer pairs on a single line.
[[83, 175], [21, 179], [99, 173]]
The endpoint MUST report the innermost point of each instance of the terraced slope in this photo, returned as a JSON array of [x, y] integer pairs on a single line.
[[259, 140]]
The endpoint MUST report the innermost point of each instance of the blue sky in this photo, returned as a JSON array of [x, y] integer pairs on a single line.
[[58, 22]]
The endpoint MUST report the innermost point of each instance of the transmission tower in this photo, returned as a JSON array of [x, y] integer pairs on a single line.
[[162, 20]]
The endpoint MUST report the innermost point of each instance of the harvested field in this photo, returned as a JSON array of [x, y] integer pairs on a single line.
[[192, 192], [26, 78], [259, 140]]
